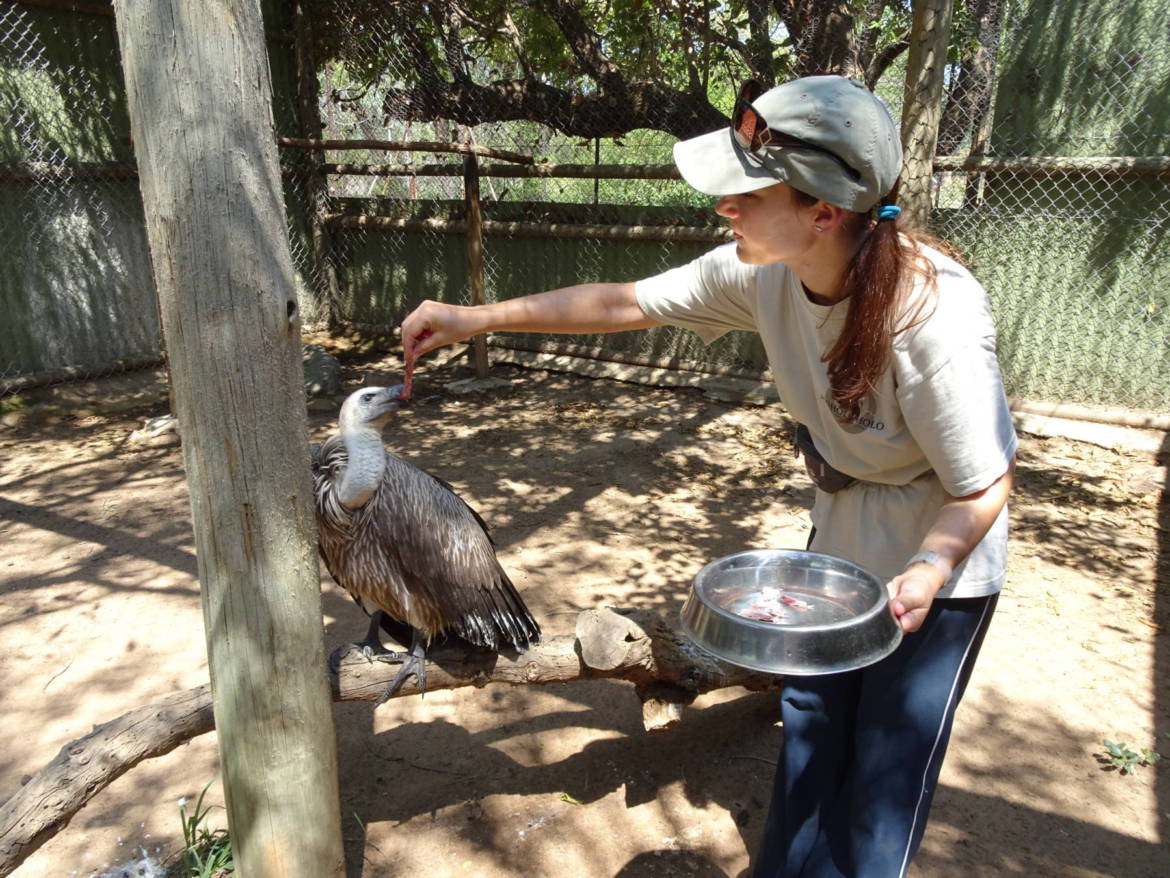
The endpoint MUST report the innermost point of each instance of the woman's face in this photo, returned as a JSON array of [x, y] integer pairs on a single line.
[[769, 225]]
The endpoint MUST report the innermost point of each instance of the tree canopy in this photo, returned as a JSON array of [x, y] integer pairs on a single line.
[[599, 68]]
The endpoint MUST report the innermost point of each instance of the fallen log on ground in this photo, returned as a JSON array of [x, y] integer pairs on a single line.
[[641, 647]]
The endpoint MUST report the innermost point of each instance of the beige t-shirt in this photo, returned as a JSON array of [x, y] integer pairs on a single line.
[[937, 424]]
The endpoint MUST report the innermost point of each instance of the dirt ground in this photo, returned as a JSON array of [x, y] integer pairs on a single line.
[[599, 493]]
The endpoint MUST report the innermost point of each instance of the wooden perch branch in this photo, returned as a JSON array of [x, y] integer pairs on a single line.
[[85, 767], [642, 647]]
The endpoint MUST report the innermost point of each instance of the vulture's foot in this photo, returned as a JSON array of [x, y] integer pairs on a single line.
[[413, 664], [370, 647], [369, 651]]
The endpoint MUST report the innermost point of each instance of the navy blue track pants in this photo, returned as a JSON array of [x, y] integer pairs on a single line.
[[863, 750]]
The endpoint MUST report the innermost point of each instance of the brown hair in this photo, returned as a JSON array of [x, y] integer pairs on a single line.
[[875, 282]]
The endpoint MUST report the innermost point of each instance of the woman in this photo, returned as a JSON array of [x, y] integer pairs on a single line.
[[883, 350]]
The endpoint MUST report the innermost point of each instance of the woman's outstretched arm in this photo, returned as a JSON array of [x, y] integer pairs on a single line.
[[597, 307]]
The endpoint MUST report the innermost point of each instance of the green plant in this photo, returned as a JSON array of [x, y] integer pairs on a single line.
[[206, 853], [1121, 757]]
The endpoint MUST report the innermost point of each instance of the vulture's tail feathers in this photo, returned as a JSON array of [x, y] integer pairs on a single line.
[[500, 619]]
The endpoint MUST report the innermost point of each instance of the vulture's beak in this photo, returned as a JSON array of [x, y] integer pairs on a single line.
[[394, 399]]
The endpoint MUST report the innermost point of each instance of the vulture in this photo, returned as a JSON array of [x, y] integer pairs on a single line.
[[406, 547]]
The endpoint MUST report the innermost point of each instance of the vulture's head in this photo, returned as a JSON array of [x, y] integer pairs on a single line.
[[369, 407]]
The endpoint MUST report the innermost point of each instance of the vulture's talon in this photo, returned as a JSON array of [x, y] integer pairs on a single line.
[[378, 652], [412, 666], [336, 656], [371, 648], [391, 658], [365, 650]]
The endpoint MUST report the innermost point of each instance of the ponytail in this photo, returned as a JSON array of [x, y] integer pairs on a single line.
[[875, 284]]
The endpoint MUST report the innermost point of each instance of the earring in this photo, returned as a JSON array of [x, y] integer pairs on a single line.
[[819, 228]]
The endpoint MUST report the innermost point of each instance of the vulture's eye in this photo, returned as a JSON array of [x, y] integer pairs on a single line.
[[366, 397]]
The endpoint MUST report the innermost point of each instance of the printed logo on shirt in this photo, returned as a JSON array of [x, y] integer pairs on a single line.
[[866, 419]]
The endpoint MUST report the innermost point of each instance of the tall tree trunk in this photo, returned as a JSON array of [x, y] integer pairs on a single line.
[[921, 107], [759, 43], [968, 106], [825, 38], [200, 103]]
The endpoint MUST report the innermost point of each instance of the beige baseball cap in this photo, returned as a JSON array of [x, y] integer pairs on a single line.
[[828, 136]]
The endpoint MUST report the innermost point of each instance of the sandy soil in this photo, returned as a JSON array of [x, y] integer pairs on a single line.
[[599, 493]]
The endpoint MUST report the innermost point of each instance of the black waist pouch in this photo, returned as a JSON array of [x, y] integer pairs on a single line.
[[822, 473]]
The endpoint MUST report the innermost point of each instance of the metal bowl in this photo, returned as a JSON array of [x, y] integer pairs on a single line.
[[845, 622]]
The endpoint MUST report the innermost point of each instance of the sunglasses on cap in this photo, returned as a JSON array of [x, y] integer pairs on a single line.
[[752, 134]]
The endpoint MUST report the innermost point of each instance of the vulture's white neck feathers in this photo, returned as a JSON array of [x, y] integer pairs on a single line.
[[363, 470]]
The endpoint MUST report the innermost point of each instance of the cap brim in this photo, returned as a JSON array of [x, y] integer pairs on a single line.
[[713, 164]]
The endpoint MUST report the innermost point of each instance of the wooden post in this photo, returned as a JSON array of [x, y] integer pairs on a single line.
[[324, 271], [200, 105], [922, 106], [475, 254]]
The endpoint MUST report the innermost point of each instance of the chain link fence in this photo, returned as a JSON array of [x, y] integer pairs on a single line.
[[1066, 223], [1052, 179], [76, 293], [397, 220]]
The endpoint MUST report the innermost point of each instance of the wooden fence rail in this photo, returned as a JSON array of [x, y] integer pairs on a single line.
[[1110, 166], [498, 228]]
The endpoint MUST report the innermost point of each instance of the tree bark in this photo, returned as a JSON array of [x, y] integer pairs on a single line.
[[641, 647], [759, 43], [968, 105], [824, 36], [921, 107], [585, 45], [200, 104]]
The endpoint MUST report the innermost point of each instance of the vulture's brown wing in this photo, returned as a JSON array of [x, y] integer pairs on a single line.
[[446, 558]]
